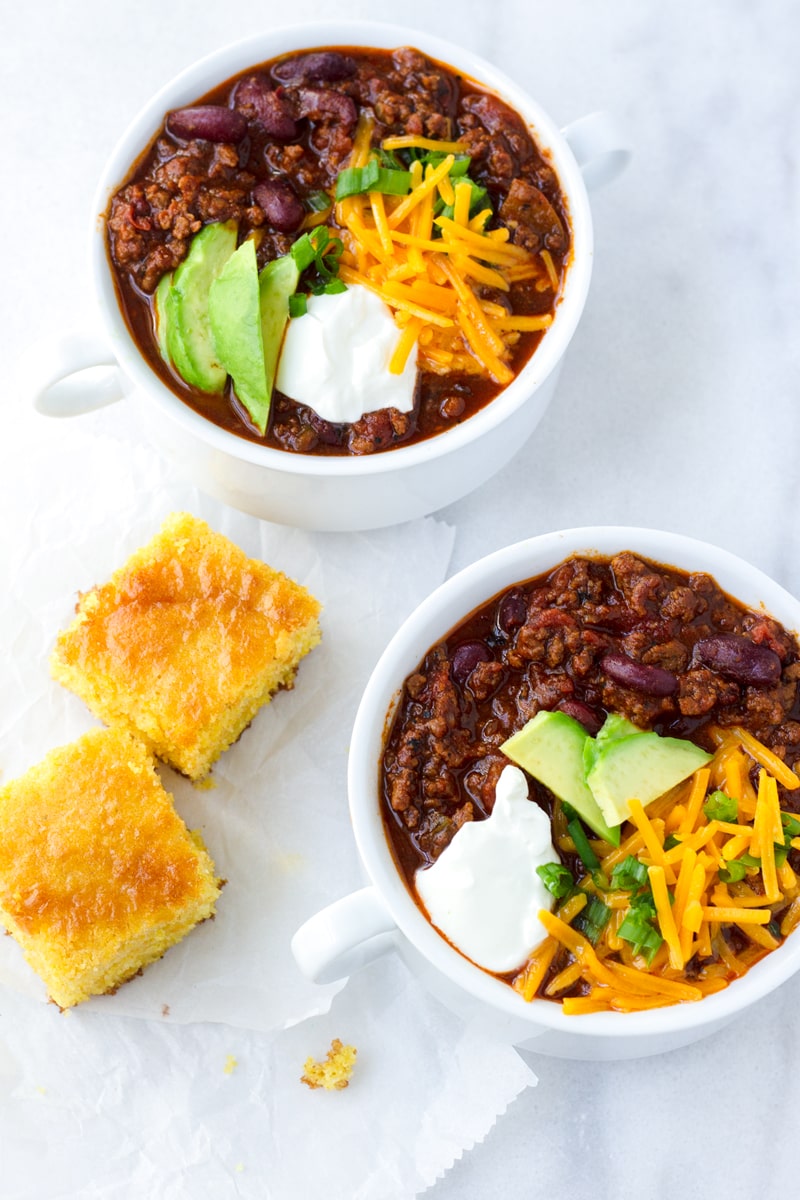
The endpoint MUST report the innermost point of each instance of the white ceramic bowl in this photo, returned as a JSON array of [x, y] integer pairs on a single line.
[[336, 493], [357, 928]]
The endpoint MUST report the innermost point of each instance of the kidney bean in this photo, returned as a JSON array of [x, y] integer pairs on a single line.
[[512, 612], [466, 659], [653, 681], [738, 658], [322, 104], [589, 719], [452, 407], [259, 102], [211, 122], [327, 431], [326, 66], [281, 206]]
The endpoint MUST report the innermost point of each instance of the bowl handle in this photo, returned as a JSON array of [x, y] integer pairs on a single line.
[[76, 373], [343, 937], [600, 146]]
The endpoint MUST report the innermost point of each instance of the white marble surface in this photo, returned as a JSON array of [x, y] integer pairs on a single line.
[[677, 408]]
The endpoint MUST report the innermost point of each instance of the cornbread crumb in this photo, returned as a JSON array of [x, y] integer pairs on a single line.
[[230, 1065], [99, 876], [334, 1072], [186, 642]]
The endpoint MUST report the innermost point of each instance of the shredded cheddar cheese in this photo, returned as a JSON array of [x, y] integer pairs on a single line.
[[712, 875], [427, 269]]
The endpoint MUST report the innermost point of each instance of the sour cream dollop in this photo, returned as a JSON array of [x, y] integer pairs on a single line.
[[335, 358], [483, 892]]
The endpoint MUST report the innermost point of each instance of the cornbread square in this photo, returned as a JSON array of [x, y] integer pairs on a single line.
[[186, 642], [98, 873]]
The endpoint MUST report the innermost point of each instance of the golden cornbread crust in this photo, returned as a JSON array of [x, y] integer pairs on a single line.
[[99, 876], [186, 642]]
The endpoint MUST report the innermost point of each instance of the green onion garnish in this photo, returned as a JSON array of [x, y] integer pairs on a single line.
[[734, 872], [585, 852], [721, 807], [478, 200], [298, 304], [629, 875], [592, 920], [304, 251], [318, 201], [354, 181], [639, 929], [557, 879], [791, 825], [319, 250], [389, 158], [334, 286]]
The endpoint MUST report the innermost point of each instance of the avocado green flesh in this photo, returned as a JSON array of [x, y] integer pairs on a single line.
[[160, 304], [235, 319], [277, 282], [551, 749], [248, 313], [642, 766], [189, 339], [613, 727]]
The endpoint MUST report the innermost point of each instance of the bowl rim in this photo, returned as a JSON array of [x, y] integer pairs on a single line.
[[221, 64], [431, 620]]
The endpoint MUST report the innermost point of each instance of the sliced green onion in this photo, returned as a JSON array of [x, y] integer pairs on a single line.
[[478, 200], [319, 250], [721, 807], [592, 920], [304, 251], [354, 181], [639, 929], [435, 158], [584, 850], [318, 201], [791, 825], [557, 879], [298, 305], [734, 872], [460, 167], [670, 841], [388, 158], [334, 286], [629, 875]]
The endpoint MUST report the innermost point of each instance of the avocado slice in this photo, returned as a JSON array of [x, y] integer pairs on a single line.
[[550, 748], [188, 332], [276, 283], [248, 315], [642, 766], [235, 318], [613, 727], [160, 312]]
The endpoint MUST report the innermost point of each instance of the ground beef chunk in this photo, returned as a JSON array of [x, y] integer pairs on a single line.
[[530, 216], [485, 678], [700, 690], [377, 430]]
